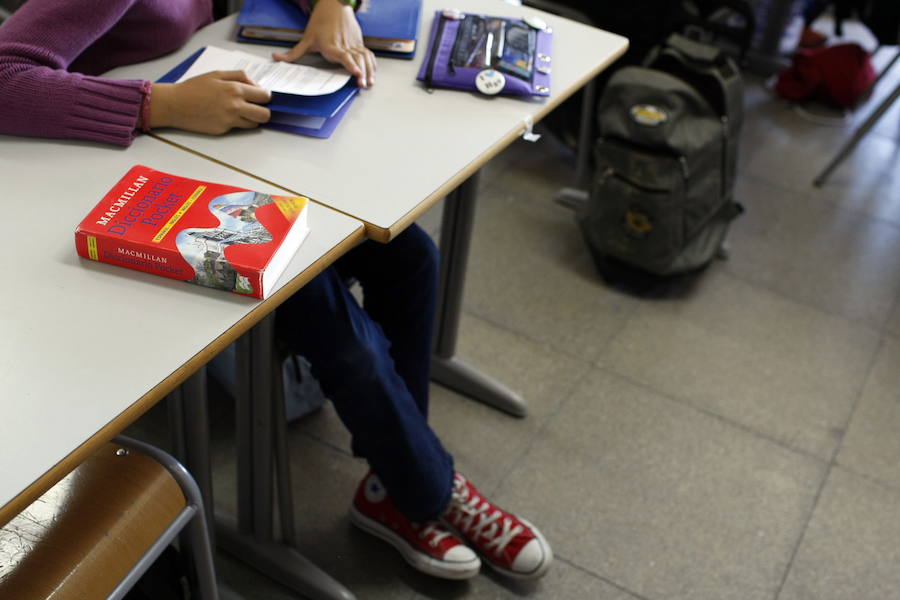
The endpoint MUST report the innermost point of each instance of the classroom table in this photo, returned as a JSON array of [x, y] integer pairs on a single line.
[[87, 347], [401, 149]]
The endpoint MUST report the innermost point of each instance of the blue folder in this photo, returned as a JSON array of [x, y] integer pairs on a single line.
[[390, 27], [325, 111]]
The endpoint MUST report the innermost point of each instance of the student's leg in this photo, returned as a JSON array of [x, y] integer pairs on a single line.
[[350, 357], [369, 370], [399, 282]]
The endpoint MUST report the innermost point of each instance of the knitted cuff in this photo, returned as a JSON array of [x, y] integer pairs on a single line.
[[145, 106]]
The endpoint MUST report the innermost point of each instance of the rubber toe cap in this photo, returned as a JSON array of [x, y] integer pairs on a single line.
[[460, 554], [533, 559]]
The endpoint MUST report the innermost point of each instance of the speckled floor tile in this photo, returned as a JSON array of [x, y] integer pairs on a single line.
[[661, 499]]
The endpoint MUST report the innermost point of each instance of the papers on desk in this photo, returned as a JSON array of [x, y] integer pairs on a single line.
[[281, 77], [305, 100]]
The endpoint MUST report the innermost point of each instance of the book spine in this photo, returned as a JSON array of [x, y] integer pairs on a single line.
[[258, 285], [140, 257], [245, 285]]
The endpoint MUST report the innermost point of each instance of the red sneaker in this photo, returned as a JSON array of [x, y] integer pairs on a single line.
[[428, 547], [509, 544]]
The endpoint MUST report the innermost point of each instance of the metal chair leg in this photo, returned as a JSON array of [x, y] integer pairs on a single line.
[[858, 135], [864, 128], [191, 524]]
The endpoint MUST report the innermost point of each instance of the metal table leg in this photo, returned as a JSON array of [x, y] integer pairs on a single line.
[[446, 369], [575, 197], [250, 535], [189, 427], [189, 424]]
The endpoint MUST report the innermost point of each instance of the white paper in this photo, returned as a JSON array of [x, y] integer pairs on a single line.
[[274, 76]]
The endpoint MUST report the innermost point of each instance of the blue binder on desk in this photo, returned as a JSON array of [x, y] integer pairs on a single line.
[[314, 116], [390, 27]]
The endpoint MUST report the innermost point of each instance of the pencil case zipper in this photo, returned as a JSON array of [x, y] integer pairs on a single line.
[[434, 52]]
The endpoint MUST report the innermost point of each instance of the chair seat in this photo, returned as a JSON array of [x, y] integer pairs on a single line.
[[81, 538]]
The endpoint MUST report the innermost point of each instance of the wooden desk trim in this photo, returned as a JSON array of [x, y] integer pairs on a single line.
[[161, 390]]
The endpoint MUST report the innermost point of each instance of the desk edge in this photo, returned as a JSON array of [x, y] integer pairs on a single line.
[[56, 473]]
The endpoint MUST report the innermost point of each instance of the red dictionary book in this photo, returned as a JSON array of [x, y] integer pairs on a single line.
[[211, 234]]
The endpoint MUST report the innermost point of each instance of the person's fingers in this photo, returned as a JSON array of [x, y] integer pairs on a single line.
[[369, 57], [363, 78], [254, 112], [294, 53], [346, 59], [254, 93], [356, 64], [238, 75], [243, 123]]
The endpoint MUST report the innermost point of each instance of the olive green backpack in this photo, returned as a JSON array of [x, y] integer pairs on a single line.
[[662, 196]]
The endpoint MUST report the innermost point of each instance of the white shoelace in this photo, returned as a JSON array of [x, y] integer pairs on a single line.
[[435, 531], [464, 511]]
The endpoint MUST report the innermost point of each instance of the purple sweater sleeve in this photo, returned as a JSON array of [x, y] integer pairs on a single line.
[[39, 97]]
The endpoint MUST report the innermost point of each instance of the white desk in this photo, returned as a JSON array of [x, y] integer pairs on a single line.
[[400, 149], [85, 347]]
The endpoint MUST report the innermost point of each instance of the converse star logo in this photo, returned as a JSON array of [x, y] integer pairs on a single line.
[[374, 491]]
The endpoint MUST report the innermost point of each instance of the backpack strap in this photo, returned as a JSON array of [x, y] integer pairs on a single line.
[[698, 51], [741, 33], [707, 68]]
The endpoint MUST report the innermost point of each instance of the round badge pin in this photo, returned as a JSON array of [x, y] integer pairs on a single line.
[[535, 23], [490, 82]]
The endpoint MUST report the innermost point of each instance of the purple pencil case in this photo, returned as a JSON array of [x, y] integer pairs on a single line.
[[491, 55]]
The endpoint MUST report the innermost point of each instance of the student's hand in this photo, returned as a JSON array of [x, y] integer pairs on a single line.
[[334, 33], [211, 103]]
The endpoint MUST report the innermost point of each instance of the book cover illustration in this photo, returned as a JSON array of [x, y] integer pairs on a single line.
[[206, 233]]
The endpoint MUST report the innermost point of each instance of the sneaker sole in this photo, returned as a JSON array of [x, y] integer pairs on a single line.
[[539, 572], [419, 561]]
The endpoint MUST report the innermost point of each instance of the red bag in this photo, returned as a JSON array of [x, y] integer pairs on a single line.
[[836, 74]]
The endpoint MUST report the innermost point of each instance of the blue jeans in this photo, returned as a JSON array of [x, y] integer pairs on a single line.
[[374, 362]]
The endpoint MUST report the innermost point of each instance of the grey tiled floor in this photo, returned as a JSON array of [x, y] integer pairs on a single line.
[[738, 440]]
